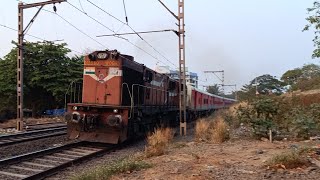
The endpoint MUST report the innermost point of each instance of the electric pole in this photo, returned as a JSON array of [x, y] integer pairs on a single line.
[[182, 69], [182, 66], [21, 32]]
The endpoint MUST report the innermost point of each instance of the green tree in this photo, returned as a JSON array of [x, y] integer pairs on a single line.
[[264, 84], [314, 23], [291, 77], [215, 89], [304, 78], [48, 71]]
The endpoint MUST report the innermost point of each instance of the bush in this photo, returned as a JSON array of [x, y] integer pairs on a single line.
[[220, 131], [158, 142], [202, 127], [260, 114], [215, 131], [261, 127], [303, 123], [289, 160], [105, 172]]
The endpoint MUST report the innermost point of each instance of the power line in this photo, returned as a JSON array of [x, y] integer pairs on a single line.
[[90, 17], [115, 33], [86, 33], [76, 28], [36, 37], [133, 31], [81, 6]]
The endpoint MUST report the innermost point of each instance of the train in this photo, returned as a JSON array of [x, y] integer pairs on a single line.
[[123, 99]]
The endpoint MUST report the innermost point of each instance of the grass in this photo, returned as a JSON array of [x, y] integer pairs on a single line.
[[201, 130], [220, 132], [179, 145], [158, 141], [215, 131], [117, 167], [287, 160]]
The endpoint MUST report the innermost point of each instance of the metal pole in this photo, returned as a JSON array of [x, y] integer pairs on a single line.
[[20, 69], [223, 92], [182, 69], [21, 7]]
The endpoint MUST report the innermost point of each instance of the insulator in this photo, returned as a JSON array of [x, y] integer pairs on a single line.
[[54, 8]]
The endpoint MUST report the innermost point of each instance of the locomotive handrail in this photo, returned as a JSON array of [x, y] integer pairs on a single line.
[[70, 87], [131, 97]]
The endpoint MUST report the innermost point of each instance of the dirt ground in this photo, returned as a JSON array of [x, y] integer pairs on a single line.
[[238, 158]]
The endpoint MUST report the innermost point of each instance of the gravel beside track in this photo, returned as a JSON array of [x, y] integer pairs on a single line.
[[127, 150], [39, 164], [101, 160], [30, 146]]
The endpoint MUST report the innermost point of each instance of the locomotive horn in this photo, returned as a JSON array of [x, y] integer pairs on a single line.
[[92, 57]]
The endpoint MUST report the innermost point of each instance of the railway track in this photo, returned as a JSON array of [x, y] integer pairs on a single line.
[[44, 126], [31, 127], [6, 140], [44, 163]]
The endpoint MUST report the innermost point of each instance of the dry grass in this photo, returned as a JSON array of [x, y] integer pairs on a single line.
[[219, 132], [158, 142], [202, 127], [287, 160], [215, 131]]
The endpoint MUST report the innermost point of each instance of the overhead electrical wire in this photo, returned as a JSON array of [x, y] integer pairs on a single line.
[[76, 28], [115, 33], [81, 30], [133, 31], [81, 6], [36, 37]]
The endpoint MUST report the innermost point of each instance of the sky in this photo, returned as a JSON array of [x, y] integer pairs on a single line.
[[244, 38]]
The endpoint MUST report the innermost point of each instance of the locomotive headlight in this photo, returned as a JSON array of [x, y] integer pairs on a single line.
[[76, 117], [75, 108], [114, 120], [102, 55], [115, 110]]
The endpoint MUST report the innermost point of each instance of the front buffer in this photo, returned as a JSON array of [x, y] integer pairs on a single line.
[[97, 123]]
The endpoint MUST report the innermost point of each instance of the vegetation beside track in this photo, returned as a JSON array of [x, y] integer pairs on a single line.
[[123, 165]]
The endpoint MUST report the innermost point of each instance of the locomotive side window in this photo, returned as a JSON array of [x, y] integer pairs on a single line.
[[172, 85], [147, 93], [148, 76]]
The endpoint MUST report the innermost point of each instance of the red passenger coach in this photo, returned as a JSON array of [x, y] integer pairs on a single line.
[[123, 99]]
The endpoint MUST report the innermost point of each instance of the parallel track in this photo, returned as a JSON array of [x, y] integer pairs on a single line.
[[6, 140], [31, 127], [44, 163]]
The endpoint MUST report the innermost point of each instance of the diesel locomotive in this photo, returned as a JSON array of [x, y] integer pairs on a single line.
[[123, 99]]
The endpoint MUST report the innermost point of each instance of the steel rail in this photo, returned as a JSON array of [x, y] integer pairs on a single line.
[[39, 126], [51, 160], [6, 140]]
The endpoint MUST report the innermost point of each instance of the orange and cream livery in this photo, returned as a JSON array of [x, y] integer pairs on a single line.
[[123, 99]]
